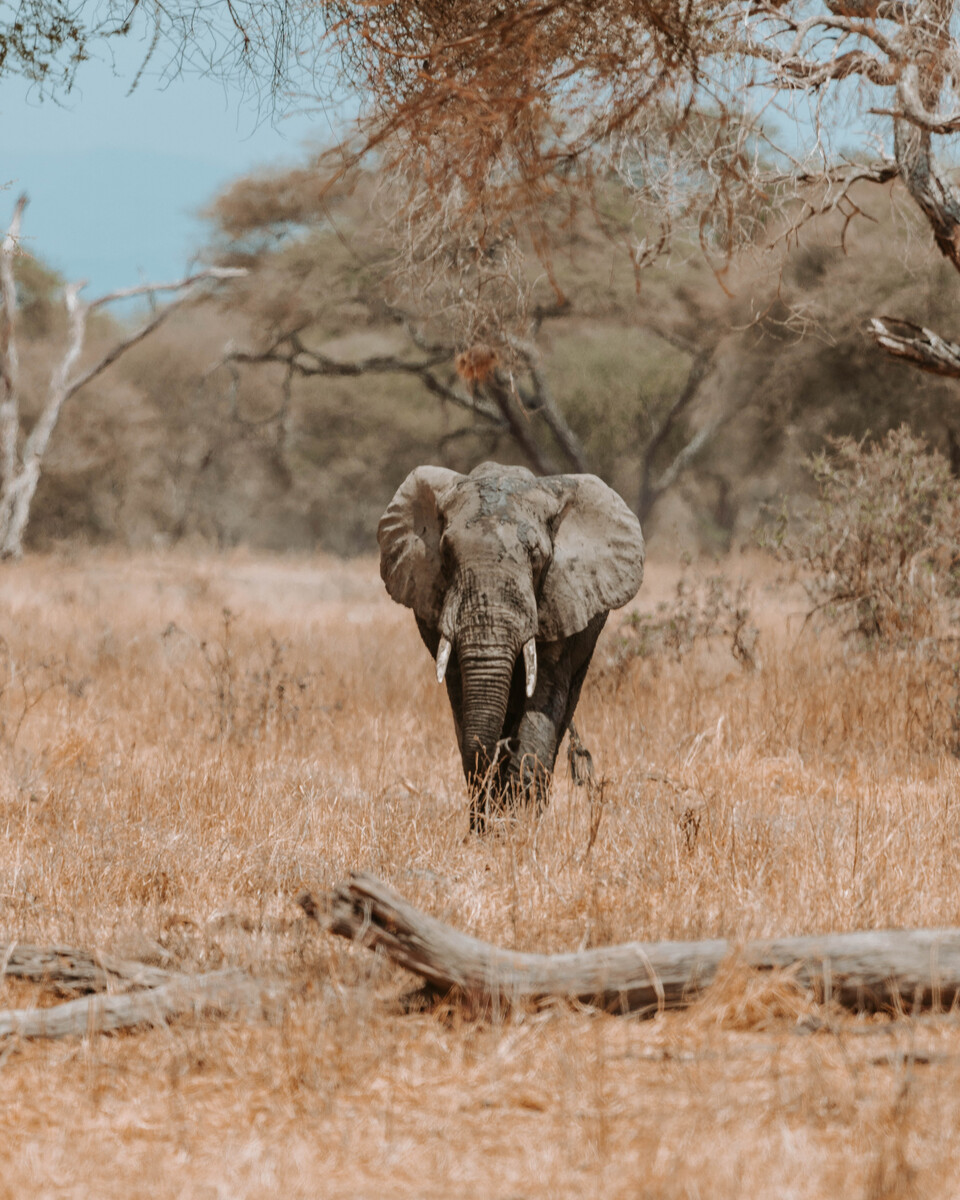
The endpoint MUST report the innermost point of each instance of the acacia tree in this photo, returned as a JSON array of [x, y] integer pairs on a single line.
[[489, 111], [505, 383]]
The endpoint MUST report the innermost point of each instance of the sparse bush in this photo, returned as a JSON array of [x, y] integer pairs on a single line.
[[703, 610], [881, 547]]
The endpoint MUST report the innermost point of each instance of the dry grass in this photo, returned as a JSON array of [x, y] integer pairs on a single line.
[[185, 744]]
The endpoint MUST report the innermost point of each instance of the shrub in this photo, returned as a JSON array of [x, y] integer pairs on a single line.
[[882, 546]]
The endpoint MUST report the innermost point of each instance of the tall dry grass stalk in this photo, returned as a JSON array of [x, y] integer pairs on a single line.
[[185, 744]]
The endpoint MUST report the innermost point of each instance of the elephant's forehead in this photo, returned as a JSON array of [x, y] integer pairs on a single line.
[[502, 498]]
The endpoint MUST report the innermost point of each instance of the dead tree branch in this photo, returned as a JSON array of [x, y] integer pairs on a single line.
[[154, 998], [917, 345], [878, 970], [220, 990], [290, 351], [495, 399], [22, 453], [917, 59], [78, 970]]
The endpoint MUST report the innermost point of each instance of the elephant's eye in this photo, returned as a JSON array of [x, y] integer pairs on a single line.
[[538, 558]]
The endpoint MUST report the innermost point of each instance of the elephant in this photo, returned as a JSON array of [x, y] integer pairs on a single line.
[[511, 577]]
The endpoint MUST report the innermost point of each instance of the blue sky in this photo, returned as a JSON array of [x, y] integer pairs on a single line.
[[116, 181]]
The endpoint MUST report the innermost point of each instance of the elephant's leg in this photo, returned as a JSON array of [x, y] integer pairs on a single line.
[[538, 734], [454, 684], [562, 668], [582, 657]]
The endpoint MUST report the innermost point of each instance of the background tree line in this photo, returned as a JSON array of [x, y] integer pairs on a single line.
[[571, 235], [283, 411]]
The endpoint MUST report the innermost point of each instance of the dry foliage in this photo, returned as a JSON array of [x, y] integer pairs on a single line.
[[162, 449], [185, 744], [252, 45], [495, 119], [881, 546]]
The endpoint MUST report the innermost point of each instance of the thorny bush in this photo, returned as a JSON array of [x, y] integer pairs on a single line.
[[881, 549]]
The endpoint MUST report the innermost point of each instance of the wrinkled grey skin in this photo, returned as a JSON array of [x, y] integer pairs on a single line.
[[489, 560]]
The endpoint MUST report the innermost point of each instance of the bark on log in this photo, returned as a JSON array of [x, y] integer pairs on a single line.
[[865, 971], [101, 1013], [79, 970], [159, 994]]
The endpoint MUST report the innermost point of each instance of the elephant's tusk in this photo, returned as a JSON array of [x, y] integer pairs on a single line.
[[530, 663], [443, 657]]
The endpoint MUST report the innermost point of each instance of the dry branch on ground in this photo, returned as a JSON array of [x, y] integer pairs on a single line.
[[866, 971], [158, 995]]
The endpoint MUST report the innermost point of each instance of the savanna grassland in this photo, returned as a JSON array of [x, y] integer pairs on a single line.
[[187, 743]]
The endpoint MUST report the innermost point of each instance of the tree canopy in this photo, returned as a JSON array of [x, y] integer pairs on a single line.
[[491, 113], [709, 115], [46, 41]]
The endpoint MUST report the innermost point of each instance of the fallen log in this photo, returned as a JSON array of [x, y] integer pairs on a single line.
[[75, 969], [892, 970], [102, 1013], [154, 995]]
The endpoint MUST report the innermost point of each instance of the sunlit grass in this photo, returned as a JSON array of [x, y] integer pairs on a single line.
[[186, 744]]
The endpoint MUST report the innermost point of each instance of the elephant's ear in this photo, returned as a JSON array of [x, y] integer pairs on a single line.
[[409, 536], [597, 558]]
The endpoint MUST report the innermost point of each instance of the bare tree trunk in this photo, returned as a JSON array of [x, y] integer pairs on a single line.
[[9, 364], [20, 485], [20, 468], [652, 489], [864, 971]]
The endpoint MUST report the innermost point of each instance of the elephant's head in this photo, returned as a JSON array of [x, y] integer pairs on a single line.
[[498, 560]]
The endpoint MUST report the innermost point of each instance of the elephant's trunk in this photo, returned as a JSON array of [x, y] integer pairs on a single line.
[[486, 673], [488, 626]]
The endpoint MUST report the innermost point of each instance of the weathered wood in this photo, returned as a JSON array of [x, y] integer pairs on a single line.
[[81, 970], [221, 990], [22, 453], [915, 344], [156, 994], [866, 971]]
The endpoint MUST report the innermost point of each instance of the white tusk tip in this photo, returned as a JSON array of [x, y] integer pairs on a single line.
[[443, 657], [530, 665]]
